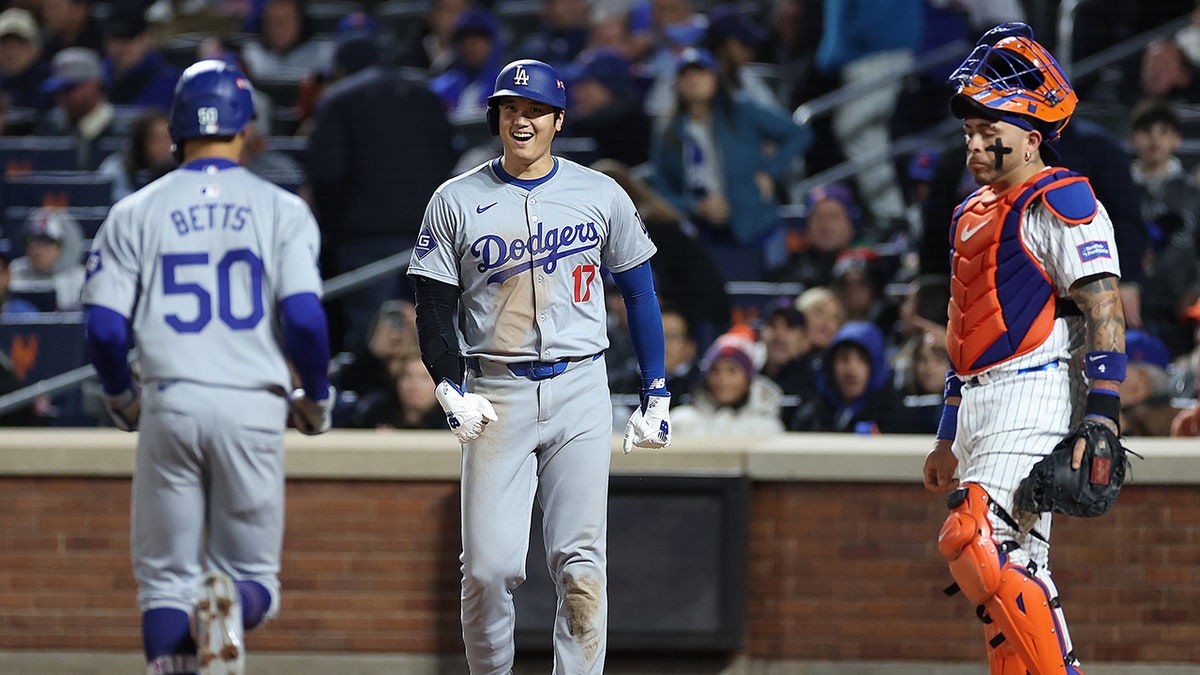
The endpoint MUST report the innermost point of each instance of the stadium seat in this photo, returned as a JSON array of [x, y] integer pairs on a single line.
[[324, 15], [294, 146], [403, 18], [58, 188], [26, 154], [42, 345], [89, 217]]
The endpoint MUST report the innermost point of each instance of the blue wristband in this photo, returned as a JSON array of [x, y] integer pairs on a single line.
[[948, 425], [953, 386], [1105, 366]]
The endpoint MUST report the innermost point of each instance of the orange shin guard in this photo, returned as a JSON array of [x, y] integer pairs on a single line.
[[1021, 626]]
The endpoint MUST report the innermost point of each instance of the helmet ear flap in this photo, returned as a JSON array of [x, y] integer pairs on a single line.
[[493, 120]]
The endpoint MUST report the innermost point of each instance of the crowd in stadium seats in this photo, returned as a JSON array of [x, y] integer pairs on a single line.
[[823, 308]]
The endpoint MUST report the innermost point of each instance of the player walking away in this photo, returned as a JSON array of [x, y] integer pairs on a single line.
[[518, 244], [1034, 287], [212, 274]]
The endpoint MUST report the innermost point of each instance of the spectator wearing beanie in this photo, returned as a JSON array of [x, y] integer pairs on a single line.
[[731, 400], [832, 223]]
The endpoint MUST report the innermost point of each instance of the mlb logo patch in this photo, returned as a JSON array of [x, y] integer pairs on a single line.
[[94, 264], [425, 243], [1091, 250], [210, 191]]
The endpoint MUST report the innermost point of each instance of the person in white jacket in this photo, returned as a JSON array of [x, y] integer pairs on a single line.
[[731, 399]]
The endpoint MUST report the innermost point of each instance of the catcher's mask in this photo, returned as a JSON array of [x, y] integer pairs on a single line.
[[1010, 77]]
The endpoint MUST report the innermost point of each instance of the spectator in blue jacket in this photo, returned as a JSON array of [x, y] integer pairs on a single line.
[[711, 160], [854, 387], [135, 73], [478, 56]]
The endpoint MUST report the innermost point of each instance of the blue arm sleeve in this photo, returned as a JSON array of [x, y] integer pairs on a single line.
[[107, 335], [306, 340], [645, 326]]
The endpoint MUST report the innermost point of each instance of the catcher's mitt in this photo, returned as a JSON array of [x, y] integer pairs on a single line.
[[1086, 492]]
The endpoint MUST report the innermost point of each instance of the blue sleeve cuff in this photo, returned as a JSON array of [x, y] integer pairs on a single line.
[[107, 335], [306, 340], [645, 326]]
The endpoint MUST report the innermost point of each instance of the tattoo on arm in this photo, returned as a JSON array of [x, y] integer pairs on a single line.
[[1099, 299]]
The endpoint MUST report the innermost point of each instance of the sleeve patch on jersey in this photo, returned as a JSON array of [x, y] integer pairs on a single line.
[[94, 264], [1074, 202], [425, 243], [1091, 250]]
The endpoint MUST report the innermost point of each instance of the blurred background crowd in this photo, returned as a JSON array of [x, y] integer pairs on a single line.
[[794, 161]]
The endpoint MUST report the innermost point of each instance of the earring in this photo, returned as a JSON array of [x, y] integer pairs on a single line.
[[1027, 157]]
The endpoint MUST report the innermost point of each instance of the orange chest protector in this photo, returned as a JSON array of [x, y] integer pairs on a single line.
[[1002, 301]]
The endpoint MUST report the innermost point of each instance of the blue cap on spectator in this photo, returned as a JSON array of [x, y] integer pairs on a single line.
[[475, 22], [604, 65], [357, 24], [726, 21], [1142, 347], [693, 56], [785, 306], [72, 66], [838, 192], [923, 164]]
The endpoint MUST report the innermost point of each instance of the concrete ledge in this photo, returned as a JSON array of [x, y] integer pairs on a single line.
[[91, 663], [434, 455]]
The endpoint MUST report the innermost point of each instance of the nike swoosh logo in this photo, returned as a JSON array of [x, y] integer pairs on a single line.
[[969, 232], [481, 209]]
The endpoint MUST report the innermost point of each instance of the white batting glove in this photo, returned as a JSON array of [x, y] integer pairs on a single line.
[[467, 414], [309, 416], [125, 407], [650, 424]]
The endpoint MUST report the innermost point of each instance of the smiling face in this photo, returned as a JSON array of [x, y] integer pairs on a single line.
[[527, 128]]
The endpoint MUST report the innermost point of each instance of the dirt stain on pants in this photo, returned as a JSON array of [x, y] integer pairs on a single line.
[[583, 604]]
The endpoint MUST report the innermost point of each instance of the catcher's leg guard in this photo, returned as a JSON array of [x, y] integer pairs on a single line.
[[1017, 607]]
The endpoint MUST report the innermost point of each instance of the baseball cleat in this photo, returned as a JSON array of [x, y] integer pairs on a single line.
[[219, 640]]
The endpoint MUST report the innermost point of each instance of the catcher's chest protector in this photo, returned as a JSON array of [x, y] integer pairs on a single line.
[[1002, 302], [1022, 627]]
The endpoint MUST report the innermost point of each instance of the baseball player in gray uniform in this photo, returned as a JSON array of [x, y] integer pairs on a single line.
[[518, 245], [211, 273]]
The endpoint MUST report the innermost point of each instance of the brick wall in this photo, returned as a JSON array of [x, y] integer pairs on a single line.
[[836, 571]]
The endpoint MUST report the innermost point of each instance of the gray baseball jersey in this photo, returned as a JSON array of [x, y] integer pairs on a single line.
[[199, 260], [528, 261]]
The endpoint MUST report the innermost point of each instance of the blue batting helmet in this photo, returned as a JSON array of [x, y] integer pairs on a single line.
[[529, 79], [212, 98]]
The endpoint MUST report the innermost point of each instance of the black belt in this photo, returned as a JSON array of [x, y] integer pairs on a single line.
[[536, 370]]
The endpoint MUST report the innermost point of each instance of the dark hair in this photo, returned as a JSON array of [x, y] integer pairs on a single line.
[[1151, 111], [932, 295], [139, 133]]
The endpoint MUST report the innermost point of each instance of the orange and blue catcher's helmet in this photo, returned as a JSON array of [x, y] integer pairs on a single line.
[[1010, 77]]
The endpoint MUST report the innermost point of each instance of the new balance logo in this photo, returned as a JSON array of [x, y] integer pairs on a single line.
[[521, 78]]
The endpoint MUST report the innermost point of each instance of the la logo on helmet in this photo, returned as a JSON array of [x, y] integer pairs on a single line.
[[521, 77]]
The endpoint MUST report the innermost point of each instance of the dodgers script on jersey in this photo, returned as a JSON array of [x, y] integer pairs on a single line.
[[201, 257], [519, 252]]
